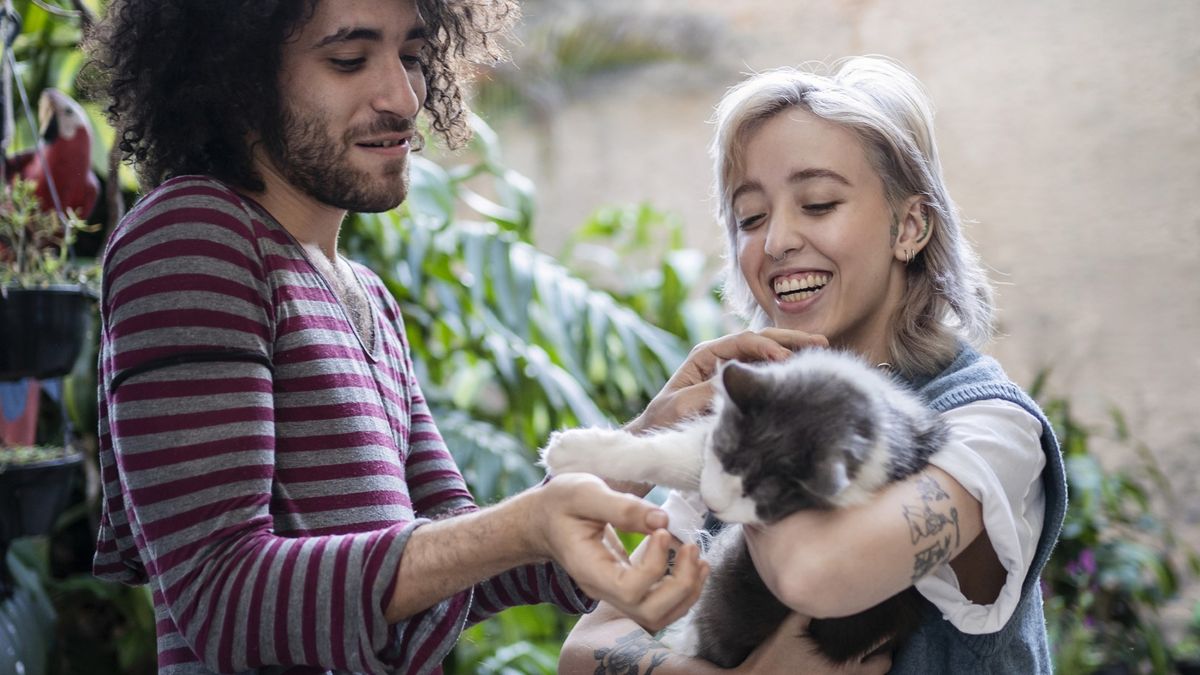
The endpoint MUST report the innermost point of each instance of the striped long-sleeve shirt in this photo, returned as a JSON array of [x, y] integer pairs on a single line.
[[263, 465]]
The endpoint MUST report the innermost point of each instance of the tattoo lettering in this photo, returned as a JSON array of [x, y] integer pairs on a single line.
[[925, 523], [624, 656]]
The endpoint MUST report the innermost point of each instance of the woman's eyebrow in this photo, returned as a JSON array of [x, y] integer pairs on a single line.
[[813, 174], [798, 176]]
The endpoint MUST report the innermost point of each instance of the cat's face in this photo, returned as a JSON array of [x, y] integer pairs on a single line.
[[785, 442]]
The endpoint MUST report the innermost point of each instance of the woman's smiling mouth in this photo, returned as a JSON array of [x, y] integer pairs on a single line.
[[800, 286]]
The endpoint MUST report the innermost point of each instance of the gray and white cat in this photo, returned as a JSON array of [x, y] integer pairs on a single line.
[[822, 430]]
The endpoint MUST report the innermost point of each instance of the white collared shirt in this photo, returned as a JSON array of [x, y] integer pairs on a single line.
[[995, 453]]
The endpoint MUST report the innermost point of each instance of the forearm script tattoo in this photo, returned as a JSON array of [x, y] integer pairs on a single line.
[[624, 656], [925, 525]]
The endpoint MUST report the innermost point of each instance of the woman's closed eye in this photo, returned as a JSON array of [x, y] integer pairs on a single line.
[[821, 208], [750, 222]]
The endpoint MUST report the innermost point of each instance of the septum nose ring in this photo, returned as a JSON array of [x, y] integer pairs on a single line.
[[781, 257]]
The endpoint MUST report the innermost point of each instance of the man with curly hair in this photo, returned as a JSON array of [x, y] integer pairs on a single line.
[[270, 466]]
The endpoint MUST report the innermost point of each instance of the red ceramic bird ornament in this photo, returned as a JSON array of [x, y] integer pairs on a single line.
[[66, 156]]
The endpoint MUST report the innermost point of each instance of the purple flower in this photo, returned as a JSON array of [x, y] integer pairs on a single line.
[[1087, 560], [1084, 565]]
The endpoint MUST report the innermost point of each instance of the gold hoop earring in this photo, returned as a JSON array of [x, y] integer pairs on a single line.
[[908, 256]]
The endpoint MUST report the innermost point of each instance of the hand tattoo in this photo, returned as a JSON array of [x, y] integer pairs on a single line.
[[925, 523]]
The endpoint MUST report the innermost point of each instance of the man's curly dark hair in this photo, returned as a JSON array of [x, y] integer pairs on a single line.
[[188, 80]]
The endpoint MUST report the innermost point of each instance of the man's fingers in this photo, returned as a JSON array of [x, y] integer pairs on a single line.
[[595, 501], [689, 572], [614, 545], [651, 563], [672, 596], [627, 583]]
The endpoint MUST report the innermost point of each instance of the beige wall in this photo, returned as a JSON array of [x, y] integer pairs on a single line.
[[1071, 136]]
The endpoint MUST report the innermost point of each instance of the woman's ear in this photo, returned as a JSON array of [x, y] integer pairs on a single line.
[[914, 229]]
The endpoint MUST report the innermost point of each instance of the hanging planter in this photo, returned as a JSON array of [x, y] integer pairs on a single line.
[[35, 486], [44, 308], [42, 330]]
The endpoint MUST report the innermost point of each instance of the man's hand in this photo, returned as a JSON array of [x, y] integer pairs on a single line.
[[689, 391], [570, 525]]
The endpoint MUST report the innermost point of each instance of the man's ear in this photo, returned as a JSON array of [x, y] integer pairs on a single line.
[[914, 229]]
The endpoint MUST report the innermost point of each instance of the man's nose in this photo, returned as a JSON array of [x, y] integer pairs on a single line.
[[401, 92]]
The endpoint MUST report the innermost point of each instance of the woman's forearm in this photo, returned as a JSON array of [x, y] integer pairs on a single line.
[[605, 641], [837, 563]]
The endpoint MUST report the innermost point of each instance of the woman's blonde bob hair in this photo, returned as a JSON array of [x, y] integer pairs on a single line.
[[948, 296]]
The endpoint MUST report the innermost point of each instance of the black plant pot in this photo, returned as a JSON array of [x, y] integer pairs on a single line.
[[32, 495], [31, 498], [1188, 666], [42, 330]]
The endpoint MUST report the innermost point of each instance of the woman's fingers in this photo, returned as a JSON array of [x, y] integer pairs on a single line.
[[768, 344]]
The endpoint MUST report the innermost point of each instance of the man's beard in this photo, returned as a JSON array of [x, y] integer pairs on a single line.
[[314, 163]]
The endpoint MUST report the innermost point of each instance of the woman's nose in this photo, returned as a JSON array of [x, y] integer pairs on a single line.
[[782, 240]]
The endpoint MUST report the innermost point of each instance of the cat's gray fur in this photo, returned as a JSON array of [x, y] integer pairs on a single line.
[[822, 430]]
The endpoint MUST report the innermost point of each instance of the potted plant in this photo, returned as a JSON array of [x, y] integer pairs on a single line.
[[45, 309], [35, 485], [45, 301]]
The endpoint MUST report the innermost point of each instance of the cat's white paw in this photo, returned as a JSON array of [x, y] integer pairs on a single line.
[[581, 450]]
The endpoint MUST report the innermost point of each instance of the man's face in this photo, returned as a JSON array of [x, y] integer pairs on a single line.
[[351, 84]]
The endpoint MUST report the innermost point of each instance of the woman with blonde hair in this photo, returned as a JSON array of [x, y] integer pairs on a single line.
[[840, 232]]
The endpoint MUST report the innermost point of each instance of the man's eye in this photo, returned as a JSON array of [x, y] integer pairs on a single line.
[[823, 207], [348, 65], [412, 61], [749, 222]]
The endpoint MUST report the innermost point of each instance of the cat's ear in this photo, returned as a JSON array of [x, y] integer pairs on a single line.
[[742, 384], [829, 478]]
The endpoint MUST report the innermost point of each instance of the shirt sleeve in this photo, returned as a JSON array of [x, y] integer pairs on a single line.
[[437, 487], [187, 339], [995, 453]]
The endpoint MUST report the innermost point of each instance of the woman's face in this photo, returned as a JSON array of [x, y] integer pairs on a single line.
[[814, 238]]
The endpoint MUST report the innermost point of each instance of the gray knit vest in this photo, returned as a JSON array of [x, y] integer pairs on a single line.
[[1020, 647]]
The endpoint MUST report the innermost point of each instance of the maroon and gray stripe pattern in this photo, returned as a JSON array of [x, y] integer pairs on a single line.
[[263, 467]]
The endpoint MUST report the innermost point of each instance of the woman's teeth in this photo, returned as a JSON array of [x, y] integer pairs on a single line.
[[800, 287]]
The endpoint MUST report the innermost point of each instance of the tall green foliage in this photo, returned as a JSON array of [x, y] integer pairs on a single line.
[[509, 344]]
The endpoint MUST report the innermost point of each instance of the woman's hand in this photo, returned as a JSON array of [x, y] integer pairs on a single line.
[[689, 391], [789, 650]]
